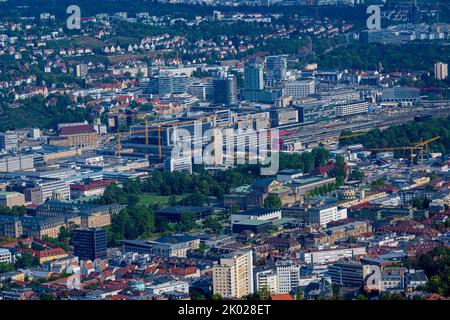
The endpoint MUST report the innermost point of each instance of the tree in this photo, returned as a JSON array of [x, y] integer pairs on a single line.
[[187, 221], [6, 267], [272, 202], [299, 295], [213, 224]]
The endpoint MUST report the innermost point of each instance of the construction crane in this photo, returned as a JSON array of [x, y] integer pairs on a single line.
[[157, 127], [420, 146]]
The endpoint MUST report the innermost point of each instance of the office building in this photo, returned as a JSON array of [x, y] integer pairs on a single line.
[[225, 90], [324, 215], [347, 274], [11, 199], [89, 243], [233, 276], [352, 108], [441, 71], [172, 84], [299, 88], [254, 76], [275, 69], [8, 141]]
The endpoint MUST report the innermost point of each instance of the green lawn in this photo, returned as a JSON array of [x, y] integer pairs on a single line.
[[147, 199]]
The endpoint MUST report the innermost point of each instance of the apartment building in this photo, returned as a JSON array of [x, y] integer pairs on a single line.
[[233, 276]]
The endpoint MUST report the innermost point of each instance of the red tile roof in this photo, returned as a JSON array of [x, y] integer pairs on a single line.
[[84, 128]]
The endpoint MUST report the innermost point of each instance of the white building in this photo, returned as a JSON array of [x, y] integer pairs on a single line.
[[331, 255], [267, 279], [324, 215], [257, 214], [172, 286], [5, 256], [441, 71], [299, 88], [288, 277]]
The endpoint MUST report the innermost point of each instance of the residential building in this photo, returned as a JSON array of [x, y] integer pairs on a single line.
[[11, 199], [441, 71], [233, 276]]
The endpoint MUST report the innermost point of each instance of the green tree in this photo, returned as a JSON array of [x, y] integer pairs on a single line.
[[272, 201]]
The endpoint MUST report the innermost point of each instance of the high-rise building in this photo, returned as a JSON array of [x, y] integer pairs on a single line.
[[441, 71], [254, 76], [172, 84], [89, 243], [275, 69], [349, 274], [233, 276], [225, 90], [8, 141]]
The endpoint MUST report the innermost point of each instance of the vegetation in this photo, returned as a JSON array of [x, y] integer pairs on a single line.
[[436, 265], [272, 202]]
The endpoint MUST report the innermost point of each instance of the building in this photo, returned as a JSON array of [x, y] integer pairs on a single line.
[[275, 69], [165, 246], [324, 215], [225, 90], [76, 135], [254, 76], [5, 256], [441, 71], [261, 214], [299, 88], [89, 243], [173, 214], [11, 199], [8, 141], [288, 276], [352, 108], [17, 163], [233, 276], [331, 255], [347, 274], [266, 279], [402, 95]]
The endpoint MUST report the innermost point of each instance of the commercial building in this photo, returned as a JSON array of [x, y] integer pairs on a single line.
[[275, 69], [171, 246], [17, 163], [402, 95], [11, 199], [89, 243], [225, 90], [233, 276], [324, 215], [8, 141], [299, 88], [325, 256], [347, 274], [352, 108]]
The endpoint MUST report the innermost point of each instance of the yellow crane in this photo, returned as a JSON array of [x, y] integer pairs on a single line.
[[421, 146], [157, 127]]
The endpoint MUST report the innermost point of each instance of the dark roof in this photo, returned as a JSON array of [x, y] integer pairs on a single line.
[[83, 128]]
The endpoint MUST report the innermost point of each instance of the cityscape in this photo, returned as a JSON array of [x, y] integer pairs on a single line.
[[226, 150]]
